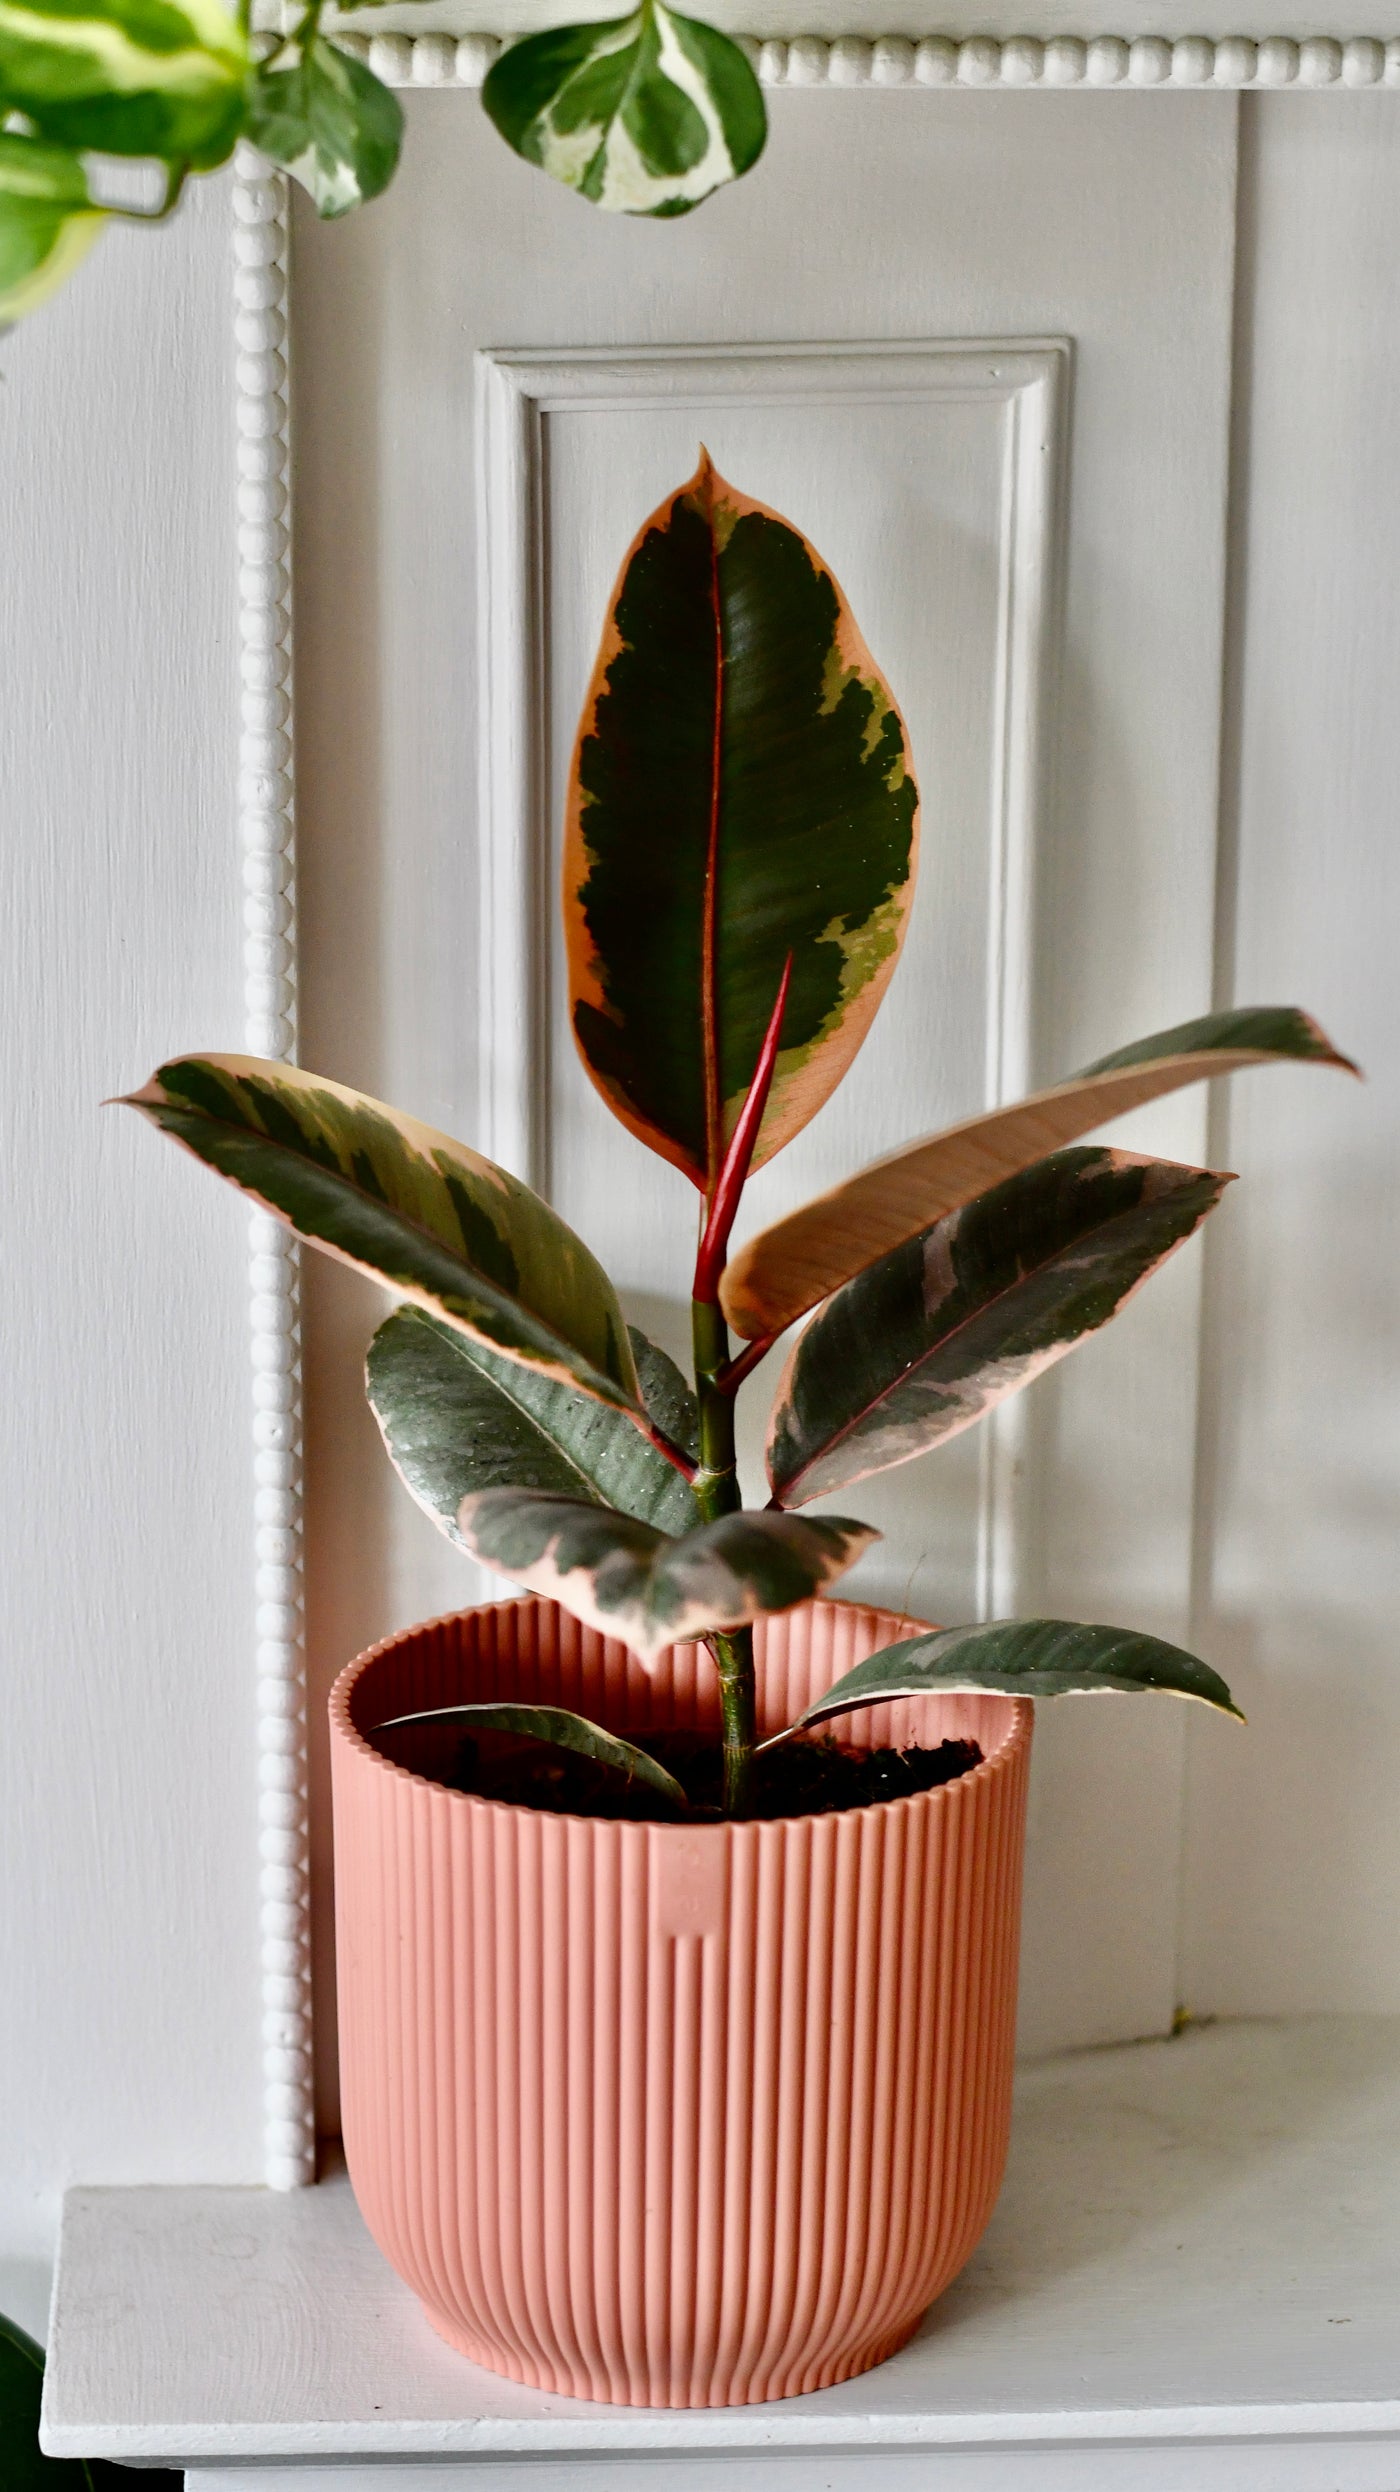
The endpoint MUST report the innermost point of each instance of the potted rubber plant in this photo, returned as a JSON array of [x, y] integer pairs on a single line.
[[678, 1902]]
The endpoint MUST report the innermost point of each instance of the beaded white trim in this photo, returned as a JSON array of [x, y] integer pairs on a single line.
[[266, 822], [1189, 62]]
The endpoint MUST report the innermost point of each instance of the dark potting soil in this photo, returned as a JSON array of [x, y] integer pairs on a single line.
[[802, 1778]]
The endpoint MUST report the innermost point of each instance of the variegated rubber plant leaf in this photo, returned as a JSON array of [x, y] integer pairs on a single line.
[[629, 1580], [647, 113], [128, 77], [560, 1729], [741, 792], [936, 1333], [1021, 1657], [457, 1418], [668, 1400], [790, 1267], [378, 1190], [47, 221], [331, 122]]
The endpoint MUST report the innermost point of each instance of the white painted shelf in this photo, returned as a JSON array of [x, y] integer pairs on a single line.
[[1192, 2281]]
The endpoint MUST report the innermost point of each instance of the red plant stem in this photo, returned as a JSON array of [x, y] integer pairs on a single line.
[[729, 1185], [731, 1377]]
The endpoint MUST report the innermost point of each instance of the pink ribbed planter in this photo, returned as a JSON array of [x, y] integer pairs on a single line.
[[659, 2115]]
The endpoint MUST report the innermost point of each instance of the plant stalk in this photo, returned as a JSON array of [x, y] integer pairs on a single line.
[[716, 1487]]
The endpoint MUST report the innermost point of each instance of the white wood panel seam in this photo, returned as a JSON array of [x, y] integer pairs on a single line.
[[267, 829], [1190, 62]]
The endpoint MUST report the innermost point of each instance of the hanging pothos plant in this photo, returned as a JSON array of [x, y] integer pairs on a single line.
[[646, 114]]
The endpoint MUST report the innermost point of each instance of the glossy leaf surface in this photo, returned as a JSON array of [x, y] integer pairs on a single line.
[[408, 1205], [667, 1399], [47, 222], [646, 114], [627, 1579], [1023, 1657], [741, 790], [129, 77], [933, 1335], [793, 1265], [331, 122], [458, 1418], [560, 1729]]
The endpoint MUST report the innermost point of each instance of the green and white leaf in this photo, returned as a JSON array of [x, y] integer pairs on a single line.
[[935, 1334], [23, 2465], [790, 1267], [457, 1418], [1023, 1657], [129, 77], [394, 1198], [560, 1729], [646, 114], [48, 222], [629, 1580], [334, 125]]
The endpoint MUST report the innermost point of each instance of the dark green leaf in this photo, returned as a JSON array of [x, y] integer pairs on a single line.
[[667, 1398], [47, 221], [561, 1730], [128, 77], [456, 1418], [647, 113], [331, 122], [406, 1204], [735, 702], [629, 1580], [930, 1337], [1023, 1657]]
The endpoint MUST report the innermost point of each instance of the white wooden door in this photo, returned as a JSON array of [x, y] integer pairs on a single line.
[[983, 355]]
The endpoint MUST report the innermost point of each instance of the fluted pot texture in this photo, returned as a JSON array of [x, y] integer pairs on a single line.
[[668, 2115]]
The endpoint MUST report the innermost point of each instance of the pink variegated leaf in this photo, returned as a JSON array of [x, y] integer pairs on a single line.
[[925, 1341]]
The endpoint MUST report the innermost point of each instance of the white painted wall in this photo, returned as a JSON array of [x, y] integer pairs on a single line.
[[128, 2036], [128, 1904]]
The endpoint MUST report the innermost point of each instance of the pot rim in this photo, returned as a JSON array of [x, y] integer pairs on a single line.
[[1018, 1732]]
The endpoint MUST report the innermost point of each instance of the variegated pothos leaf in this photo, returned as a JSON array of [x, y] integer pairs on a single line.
[[629, 1580], [393, 1197], [741, 792], [935, 1334], [128, 77], [334, 125], [457, 1418], [646, 114], [790, 1267], [1023, 1657], [48, 222]]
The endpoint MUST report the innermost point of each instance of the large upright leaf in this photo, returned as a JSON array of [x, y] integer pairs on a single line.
[[378, 1190], [48, 221], [741, 790], [797, 1262], [457, 1418], [334, 125], [631, 1581], [131, 77], [920, 1345], [647, 113], [1022, 1657]]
